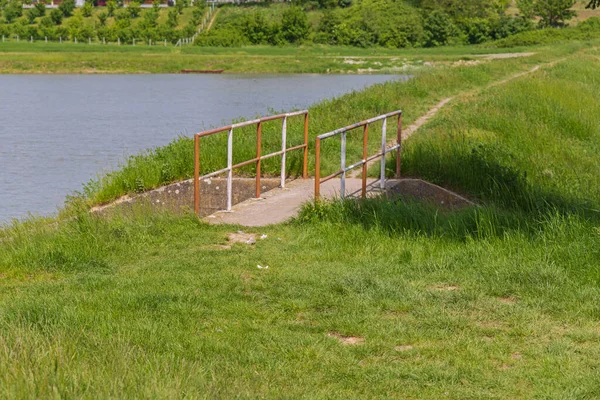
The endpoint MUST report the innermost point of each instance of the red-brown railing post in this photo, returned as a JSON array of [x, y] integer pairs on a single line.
[[317, 169], [197, 175], [305, 164], [365, 156], [399, 143], [258, 149]]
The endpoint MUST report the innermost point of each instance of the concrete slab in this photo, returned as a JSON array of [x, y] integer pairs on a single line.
[[279, 205]]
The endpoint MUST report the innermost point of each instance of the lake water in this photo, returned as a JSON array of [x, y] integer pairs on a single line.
[[58, 131]]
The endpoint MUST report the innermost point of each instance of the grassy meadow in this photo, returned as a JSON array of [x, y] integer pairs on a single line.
[[368, 299]]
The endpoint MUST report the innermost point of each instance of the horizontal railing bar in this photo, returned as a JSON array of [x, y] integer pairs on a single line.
[[327, 178], [213, 131], [252, 122], [219, 172], [358, 164], [358, 125], [255, 159], [394, 147], [300, 146]]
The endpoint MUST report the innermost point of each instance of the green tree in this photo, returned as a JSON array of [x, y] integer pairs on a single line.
[[87, 10], [172, 18], [150, 19], [102, 18], [13, 11], [593, 4], [57, 16], [111, 6], [438, 28], [134, 9], [294, 25], [41, 8], [67, 7], [554, 13], [526, 8]]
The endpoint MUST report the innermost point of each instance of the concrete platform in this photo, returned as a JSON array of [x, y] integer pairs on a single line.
[[279, 205]]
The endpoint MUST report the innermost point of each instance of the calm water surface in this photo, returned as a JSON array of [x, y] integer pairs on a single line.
[[58, 131]]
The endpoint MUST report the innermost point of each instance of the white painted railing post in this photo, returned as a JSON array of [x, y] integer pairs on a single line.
[[229, 168], [283, 148], [383, 149], [343, 166]]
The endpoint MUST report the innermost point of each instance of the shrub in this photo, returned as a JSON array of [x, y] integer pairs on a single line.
[[134, 9], [438, 29], [294, 25], [13, 11], [222, 38], [41, 9], [477, 30], [56, 16], [67, 7], [111, 7], [87, 10], [172, 18], [102, 18]]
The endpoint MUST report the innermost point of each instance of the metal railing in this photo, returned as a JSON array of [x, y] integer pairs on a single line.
[[365, 160], [259, 157]]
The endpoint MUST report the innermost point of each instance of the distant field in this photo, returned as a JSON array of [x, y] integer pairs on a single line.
[[83, 58]]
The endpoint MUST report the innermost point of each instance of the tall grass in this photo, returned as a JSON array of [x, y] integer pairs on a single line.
[[529, 145], [499, 301], [415, 96]]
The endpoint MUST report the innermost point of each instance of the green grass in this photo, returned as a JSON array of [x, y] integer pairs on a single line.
[[499, 301], [40, 57], [415, 97]]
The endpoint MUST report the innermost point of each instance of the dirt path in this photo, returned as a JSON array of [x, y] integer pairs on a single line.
[[212, 20], [407, 132]]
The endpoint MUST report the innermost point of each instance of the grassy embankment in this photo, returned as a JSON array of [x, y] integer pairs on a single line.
[[430, 85], [499, 302]]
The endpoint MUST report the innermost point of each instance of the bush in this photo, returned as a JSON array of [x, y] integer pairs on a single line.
[[87, 10], [438, 28], [173, 17], [294, 25], [102, 18], [56, 16], [111, 7], [41, 9], [134, 9], [477, 30], [67, 7], [221, 38], [13, 11]]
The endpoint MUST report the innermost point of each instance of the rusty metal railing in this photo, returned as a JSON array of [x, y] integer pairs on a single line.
[[259, 157], [365, 160]]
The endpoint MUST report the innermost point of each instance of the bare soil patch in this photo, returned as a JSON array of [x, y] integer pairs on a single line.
[[347, 340]]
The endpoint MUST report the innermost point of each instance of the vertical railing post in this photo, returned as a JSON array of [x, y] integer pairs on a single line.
[[258, 143], [383, 148], [230, 169], [197, 175], [343, 166], [365, 156], [305, 163], [283, 148], [317, 169], [399, 143]]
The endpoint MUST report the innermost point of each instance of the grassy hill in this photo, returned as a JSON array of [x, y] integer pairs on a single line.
[[372, 299]]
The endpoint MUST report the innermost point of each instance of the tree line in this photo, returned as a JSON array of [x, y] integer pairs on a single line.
[[389, 23]]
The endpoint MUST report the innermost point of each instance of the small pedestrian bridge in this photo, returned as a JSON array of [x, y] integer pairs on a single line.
[[220, 197]]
